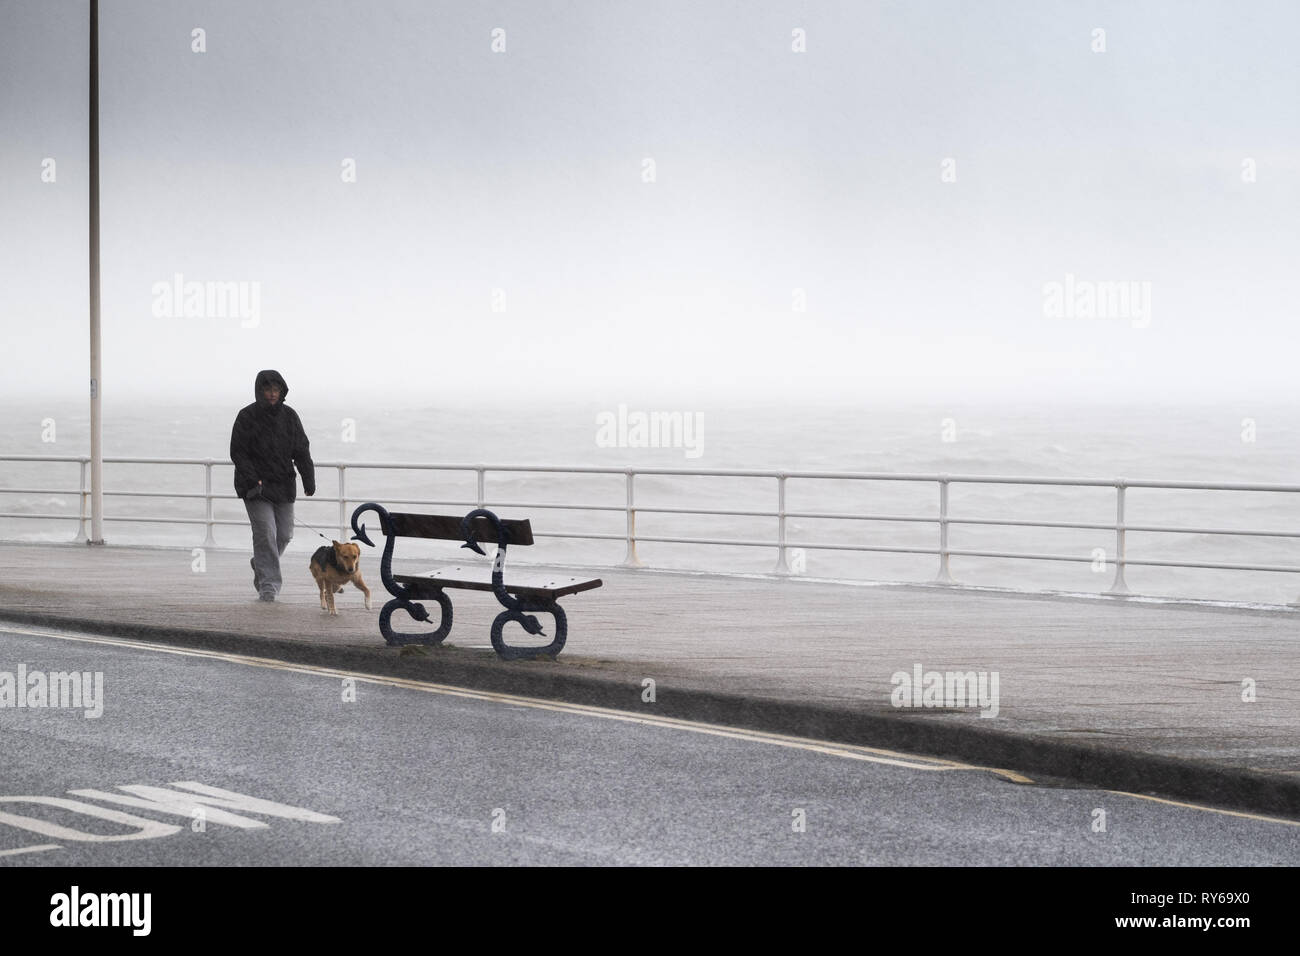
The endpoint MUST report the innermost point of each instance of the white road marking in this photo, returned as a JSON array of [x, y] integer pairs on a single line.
[[847, 751], [31, 849]]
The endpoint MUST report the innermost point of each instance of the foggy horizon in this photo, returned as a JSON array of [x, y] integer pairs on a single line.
[[916, 206]]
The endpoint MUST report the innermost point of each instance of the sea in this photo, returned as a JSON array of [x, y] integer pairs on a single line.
[[1219, 443]]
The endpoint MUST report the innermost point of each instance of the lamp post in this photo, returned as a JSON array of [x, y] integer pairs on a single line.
[[96, 420]]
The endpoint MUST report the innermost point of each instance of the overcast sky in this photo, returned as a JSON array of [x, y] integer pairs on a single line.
[[501, 236]]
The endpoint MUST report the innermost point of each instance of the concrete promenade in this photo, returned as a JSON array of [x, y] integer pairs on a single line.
[[1134, 696]]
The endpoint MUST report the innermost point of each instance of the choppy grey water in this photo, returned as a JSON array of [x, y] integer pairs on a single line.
[[1184, 443]]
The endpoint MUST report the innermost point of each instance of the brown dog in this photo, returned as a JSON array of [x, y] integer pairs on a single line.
[[332, 567]]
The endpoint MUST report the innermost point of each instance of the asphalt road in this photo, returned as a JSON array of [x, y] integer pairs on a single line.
[[407, 773]]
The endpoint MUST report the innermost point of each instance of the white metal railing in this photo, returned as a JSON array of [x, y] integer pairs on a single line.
[[780, 542]]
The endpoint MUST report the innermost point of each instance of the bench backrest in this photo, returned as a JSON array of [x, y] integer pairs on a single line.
[[447, 527]]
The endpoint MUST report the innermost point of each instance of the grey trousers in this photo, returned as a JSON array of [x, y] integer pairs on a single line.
[[272, 524]]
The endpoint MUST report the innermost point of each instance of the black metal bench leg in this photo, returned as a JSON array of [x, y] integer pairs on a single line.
[[417, 612], [508, 652]]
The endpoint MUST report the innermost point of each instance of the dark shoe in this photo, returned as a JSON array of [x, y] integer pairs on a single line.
[[267, 596]]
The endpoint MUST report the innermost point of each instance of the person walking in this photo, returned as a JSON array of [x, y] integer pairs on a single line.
[[266, 443]]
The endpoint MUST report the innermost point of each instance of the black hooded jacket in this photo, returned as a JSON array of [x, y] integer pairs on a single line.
[[267, 441]]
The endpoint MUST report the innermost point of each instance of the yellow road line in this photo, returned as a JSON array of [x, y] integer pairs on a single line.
[[846, 751], [829, 748], [1194, 806]]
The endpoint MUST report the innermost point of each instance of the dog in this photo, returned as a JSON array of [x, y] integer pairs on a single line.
[[334, 566]]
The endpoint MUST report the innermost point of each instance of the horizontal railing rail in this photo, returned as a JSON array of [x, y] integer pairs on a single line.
[[780, 542]]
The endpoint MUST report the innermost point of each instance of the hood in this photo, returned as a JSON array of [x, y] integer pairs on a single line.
[[265, 377]]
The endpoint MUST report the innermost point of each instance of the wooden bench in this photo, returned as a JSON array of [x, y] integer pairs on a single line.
[[525, 593]]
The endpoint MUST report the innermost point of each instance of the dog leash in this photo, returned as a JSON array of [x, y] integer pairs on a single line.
[[306, 525]]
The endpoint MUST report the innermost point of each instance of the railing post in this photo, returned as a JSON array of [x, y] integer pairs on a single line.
[[631, 560], [81, 507], [208, 541], [1119, 586], [343, 504], [482, 480], [943, 577], [781, 566]]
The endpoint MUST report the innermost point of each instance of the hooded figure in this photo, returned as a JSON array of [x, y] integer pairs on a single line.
[[266, 443]]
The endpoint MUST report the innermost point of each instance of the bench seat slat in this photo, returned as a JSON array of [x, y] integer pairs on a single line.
[[447, 528], [479, 578]]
